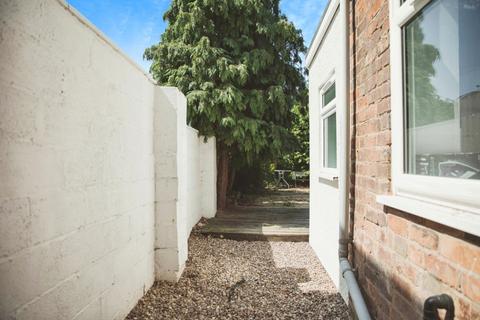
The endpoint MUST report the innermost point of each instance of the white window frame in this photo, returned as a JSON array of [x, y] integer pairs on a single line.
[[449, 201], [326, 111]]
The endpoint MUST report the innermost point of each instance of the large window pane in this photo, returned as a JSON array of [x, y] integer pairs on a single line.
[[442, 116], [330, 141]]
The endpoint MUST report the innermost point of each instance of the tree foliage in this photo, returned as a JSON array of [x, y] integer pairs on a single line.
[[421, 92], [238, 63], [298, 159]]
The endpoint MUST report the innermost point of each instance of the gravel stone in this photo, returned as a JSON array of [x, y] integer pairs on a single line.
[[227, 279]]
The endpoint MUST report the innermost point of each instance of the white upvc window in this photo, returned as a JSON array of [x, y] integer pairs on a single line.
[[435, 100], [328, 130]]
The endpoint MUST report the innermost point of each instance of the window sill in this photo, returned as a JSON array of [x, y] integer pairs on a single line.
[[458, 219], [328, 176]]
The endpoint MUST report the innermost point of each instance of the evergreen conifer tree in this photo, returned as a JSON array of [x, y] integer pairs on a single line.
[[238, 63]]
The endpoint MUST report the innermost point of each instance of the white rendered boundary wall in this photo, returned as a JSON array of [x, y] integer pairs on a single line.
[[100, 176]]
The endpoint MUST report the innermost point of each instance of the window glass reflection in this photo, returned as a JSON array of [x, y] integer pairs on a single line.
[[329, 95], [330, 141], [442, 90]]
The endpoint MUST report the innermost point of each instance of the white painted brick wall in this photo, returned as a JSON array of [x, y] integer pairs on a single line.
[[94, 183]]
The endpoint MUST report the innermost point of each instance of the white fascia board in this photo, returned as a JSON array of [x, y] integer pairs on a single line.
[[321, 31]]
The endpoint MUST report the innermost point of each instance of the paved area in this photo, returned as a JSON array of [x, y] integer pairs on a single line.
[[228, 279], [280, 215]]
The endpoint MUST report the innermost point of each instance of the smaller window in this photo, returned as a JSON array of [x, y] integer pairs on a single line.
[[328, 122], [329, 95], [330, 141]]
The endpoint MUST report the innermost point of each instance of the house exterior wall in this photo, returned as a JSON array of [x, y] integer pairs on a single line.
[[324, 206], [401, 259], [88, 170]]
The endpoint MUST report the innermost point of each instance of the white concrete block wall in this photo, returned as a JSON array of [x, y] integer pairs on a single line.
[[201, 177], [194, 191], [185, 177], [170, 183], [208, 176], [76, 169], [91, 181]]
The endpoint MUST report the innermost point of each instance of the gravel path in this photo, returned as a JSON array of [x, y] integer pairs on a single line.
[[226, 279]]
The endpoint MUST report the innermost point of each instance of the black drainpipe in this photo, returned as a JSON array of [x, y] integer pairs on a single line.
[[433, 303]]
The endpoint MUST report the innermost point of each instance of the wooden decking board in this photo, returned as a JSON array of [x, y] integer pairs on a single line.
[[260, 223]]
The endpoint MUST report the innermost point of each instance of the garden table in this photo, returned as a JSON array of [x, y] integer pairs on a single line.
[[281, 177]]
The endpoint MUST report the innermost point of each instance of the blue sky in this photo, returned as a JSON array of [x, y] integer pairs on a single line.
[[137, 24]]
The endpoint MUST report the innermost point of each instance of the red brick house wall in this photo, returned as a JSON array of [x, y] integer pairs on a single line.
[[401, 259]]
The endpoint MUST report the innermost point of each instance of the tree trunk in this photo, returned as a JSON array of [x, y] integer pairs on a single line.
[[231, 180], [223, 163]]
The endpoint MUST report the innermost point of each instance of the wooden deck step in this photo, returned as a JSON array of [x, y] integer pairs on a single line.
[[259, 223]]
